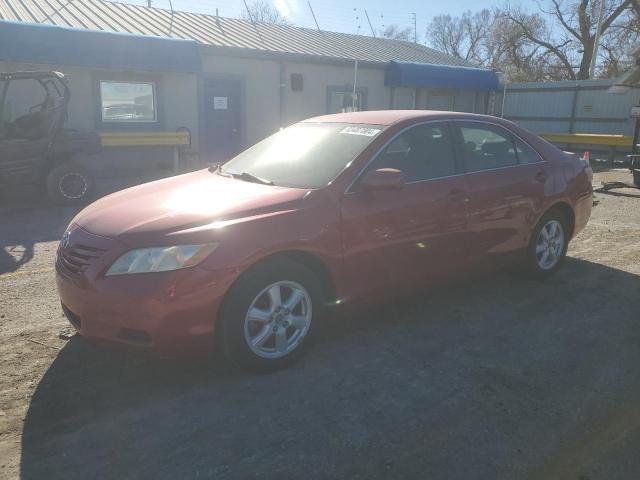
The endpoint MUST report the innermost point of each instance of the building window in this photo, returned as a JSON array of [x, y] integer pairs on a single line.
[[342, 99], [296, 82], [404, 99], [128, 102]]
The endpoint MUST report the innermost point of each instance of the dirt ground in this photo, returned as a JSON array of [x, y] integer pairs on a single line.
[[499, 378]]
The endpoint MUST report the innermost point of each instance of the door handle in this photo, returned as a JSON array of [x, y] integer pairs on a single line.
[[541, 176]]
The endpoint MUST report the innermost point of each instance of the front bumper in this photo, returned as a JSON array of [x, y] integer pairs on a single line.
[[172, 314]]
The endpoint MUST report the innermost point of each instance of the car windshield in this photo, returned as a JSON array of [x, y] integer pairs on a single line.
[[305, 155]]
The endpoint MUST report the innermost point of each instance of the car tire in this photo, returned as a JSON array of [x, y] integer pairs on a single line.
[[70, 184], [548, 246], [260, 334], [636, 178]]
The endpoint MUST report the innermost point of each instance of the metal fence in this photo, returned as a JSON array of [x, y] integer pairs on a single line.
[[583, 106]]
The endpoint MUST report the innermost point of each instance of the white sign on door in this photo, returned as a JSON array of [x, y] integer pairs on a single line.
[[220, 103]]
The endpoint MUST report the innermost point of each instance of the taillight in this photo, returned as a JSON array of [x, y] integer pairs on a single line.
[[587, 168]]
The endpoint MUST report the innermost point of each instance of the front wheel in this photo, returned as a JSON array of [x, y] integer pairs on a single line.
[[548, 246], [70, 184], [270, 315]]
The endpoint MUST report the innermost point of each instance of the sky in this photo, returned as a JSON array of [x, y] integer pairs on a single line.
[[343, 15]]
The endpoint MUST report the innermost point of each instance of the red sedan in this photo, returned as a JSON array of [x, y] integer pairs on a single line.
[[333, 210]]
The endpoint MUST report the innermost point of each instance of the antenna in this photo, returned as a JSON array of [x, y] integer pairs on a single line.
[[313, 15], [252, 20], [370, 26], [171, 21], [415, 29], [148, 3]]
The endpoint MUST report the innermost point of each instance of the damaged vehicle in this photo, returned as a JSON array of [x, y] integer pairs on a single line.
[[34, 146], [331, 212]]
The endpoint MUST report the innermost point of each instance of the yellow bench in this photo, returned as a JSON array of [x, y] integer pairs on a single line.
[[148, 139], [589, 139]]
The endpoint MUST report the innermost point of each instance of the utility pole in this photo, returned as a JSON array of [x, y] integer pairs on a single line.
[[596, 41], [313, 15], [415, 29], [370, 26]]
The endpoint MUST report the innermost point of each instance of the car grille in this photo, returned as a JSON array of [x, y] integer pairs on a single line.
[[75, 259]]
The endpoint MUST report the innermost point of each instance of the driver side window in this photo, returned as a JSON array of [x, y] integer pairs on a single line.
[[423, 152]]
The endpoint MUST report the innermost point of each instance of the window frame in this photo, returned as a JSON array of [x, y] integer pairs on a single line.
[[135, 125], [511, 135], [526, 144], [362, 91], [458, 165]]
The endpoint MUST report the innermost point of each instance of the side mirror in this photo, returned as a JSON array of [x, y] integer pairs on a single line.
[[383, 179]]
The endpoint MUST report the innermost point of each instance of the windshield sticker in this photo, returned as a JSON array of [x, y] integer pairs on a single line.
[[365, 131]]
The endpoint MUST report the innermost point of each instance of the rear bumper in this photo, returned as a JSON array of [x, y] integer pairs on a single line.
[[582, 211], [171, 314]]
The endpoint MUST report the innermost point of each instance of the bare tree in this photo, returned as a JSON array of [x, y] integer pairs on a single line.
[[397, 33], [463, 37], [555, 43], [573, 44], [264, 12]]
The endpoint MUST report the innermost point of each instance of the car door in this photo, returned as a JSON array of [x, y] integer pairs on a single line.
[[397, 239], [506, 180]]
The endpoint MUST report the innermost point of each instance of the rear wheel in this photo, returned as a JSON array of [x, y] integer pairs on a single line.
[[70, 184], [270, 315], [636, 179], [548, 245]]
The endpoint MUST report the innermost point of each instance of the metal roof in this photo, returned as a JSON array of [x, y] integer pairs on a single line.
[[221, 32]]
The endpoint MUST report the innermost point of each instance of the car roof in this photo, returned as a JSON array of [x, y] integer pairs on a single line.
[[389, 117]]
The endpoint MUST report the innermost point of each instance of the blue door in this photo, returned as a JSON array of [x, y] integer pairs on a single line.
[[223, 119]]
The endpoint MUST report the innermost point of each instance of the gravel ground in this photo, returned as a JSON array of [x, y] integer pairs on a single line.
[[499, 378]]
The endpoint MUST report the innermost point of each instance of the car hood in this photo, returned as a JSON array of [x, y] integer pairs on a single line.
[[182, 203]]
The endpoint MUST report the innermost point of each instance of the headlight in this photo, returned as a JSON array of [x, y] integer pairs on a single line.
[[160, 259]]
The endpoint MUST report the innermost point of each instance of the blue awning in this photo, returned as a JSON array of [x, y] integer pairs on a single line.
[[52, 45], [408, 74]]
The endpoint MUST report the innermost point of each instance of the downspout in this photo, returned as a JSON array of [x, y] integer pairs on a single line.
[[504, 96], [3, 96], [282, 88], [355, 81]]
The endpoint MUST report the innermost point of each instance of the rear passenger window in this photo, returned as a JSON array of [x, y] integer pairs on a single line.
[[526, 154], [421, 153], [487, 147]]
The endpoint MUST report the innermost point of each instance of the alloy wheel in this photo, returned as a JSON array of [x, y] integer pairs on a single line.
[[278, 319], [549, 245]]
